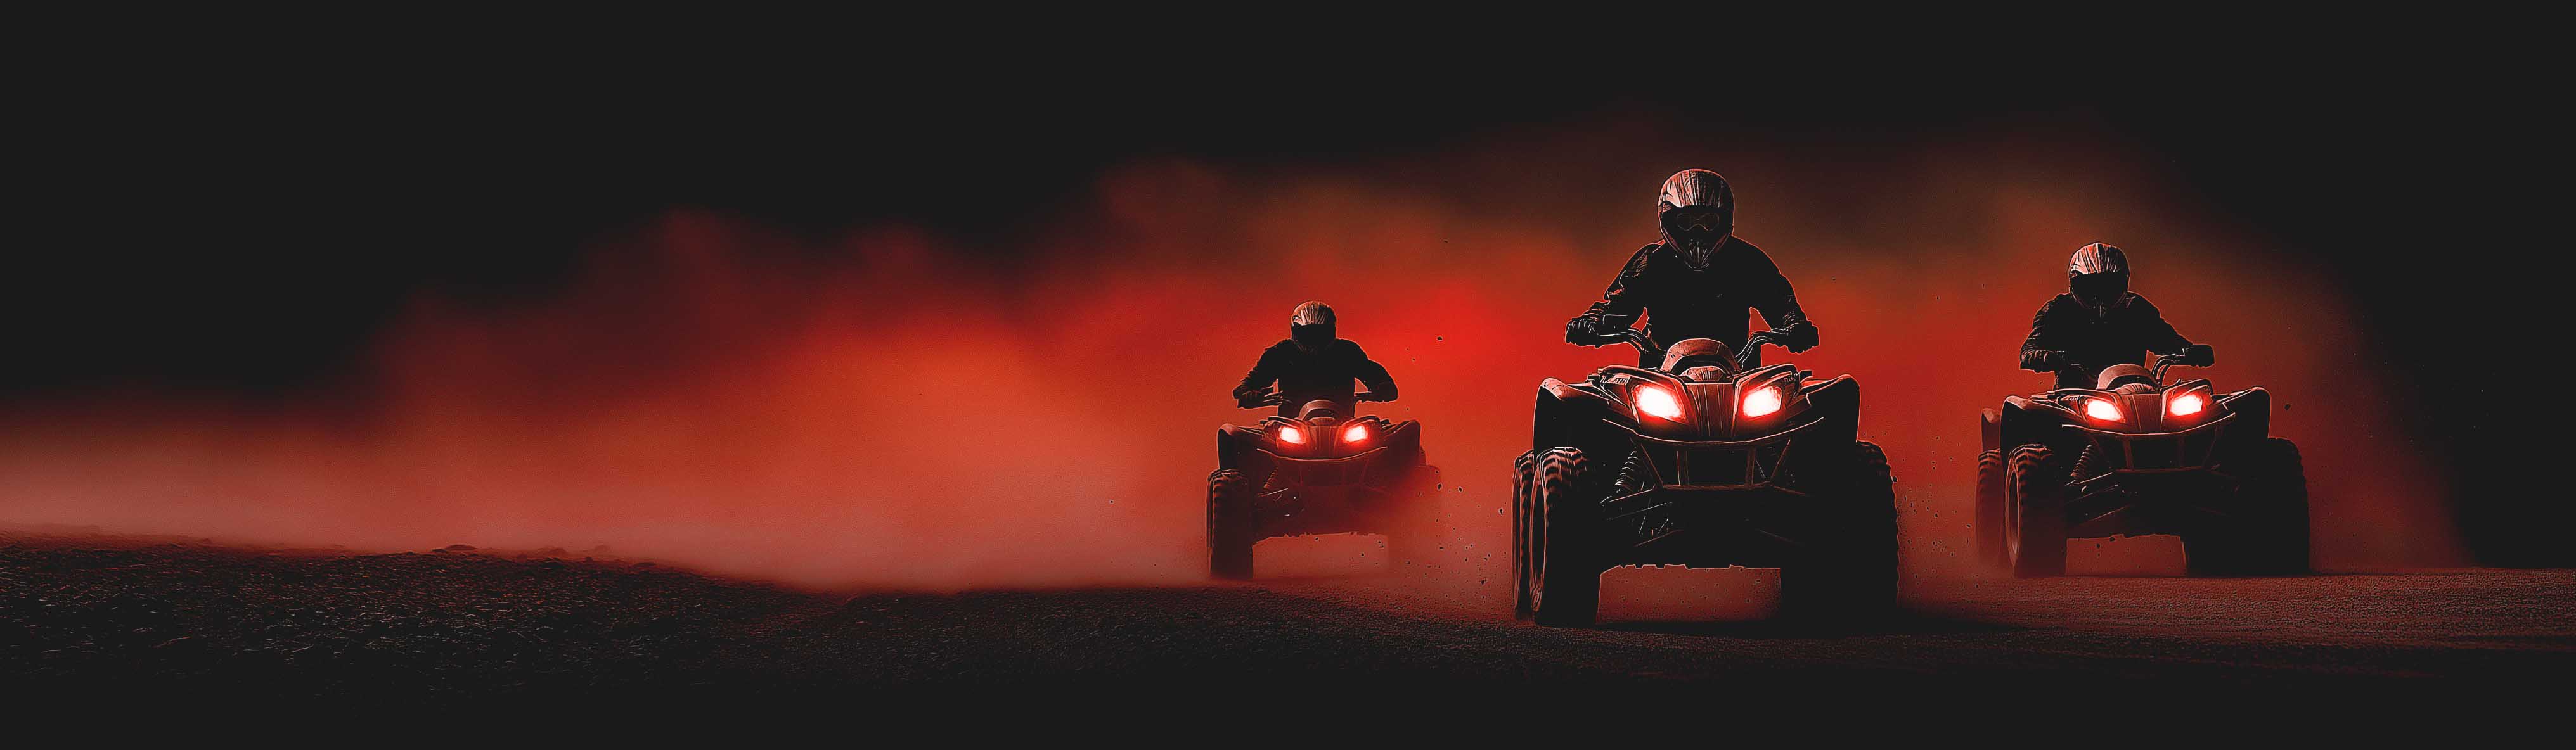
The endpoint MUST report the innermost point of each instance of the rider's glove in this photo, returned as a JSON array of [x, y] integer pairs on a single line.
[[1249, 398], [1372, 396], [1583, 329], [2199, 355], [2043, 360], [1801, 334]]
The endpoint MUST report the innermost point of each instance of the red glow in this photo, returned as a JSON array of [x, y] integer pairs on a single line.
[[719, 392], [2101, 409], [1292, 435], [1358, 433], [2186, 405], [1657, 401], [1760, 402]]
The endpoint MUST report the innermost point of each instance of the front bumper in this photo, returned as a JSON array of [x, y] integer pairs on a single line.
[[2180, 451], [1753, 464]]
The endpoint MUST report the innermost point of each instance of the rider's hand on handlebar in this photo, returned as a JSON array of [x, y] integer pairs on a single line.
[[1799, 336], [1584, 329], [1371, 396], [1254, 399], [2198, 355]]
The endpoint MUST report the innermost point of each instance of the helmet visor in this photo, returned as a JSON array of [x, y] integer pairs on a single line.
[[2100, 291], [1311, 337]]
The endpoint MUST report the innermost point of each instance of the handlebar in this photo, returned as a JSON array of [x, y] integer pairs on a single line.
[[1623, 334], [2162, 362], [1275, 398]]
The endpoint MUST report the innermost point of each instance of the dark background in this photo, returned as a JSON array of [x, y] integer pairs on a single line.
[[229, 217]]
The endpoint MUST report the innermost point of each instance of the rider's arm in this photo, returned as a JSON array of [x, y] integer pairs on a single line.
[[1381, 386], [1621, 299], [2161, 338], [1264, 372], [2044, 351], [1770, 293]]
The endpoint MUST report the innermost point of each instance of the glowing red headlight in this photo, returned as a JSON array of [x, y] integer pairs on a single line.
[[1356, 434], [2102, 409], [1658, 401], [1762, 401], [1291, 435], [2186, 404]]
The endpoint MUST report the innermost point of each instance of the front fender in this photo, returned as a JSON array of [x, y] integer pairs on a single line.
[[1568, 416]]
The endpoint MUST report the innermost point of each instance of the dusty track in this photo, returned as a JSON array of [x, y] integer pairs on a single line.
[[173, 619]]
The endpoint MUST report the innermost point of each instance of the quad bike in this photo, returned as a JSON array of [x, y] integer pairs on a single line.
[[1704, 461], [1319, 473], [2136, 456]]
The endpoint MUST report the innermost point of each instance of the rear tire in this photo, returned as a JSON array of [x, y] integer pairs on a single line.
[[1848, 571], [1523, 469], [1565, 588], [1988, 522], [2035, 514], [1230, 525]]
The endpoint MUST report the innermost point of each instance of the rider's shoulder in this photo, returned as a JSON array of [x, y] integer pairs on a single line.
[[2138, 303], [2062, 303], [1285, 346], [1645, 255], [1741, 253]]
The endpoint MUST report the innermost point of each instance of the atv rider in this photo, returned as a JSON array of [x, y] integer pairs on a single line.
[[2098, 323], [1699, 280], [1313, 365]]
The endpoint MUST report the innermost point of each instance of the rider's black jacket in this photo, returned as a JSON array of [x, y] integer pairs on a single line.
[[1681, 303], [1324, 374], [2068, 339]]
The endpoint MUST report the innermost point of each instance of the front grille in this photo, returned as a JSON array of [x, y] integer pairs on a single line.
[[2167, 451], [1705, 466], [1715, 466], [1325, 472]]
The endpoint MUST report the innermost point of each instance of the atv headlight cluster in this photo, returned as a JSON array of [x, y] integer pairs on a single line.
[[2189, 403], [2102, 410], [1658, 402], [1762, 401]]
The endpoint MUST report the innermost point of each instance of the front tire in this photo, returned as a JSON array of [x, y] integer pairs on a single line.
[[1848, 570], [1565, 580], [2271, 535], [1230, 525], [1523, 471], [1989, 518], [2035, 514]]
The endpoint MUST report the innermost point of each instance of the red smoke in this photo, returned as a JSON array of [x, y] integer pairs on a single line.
[[893, 409]]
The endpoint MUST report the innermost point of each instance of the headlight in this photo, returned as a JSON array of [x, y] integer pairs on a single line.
[[1358, 433], [2187, 404], [1658, 401], [1292, 435], [2102, 410], [1762, 401]]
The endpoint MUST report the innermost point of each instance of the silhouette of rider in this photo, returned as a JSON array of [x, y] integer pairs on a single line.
[[1699, 280], [1312, 364], [2098, 323]]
